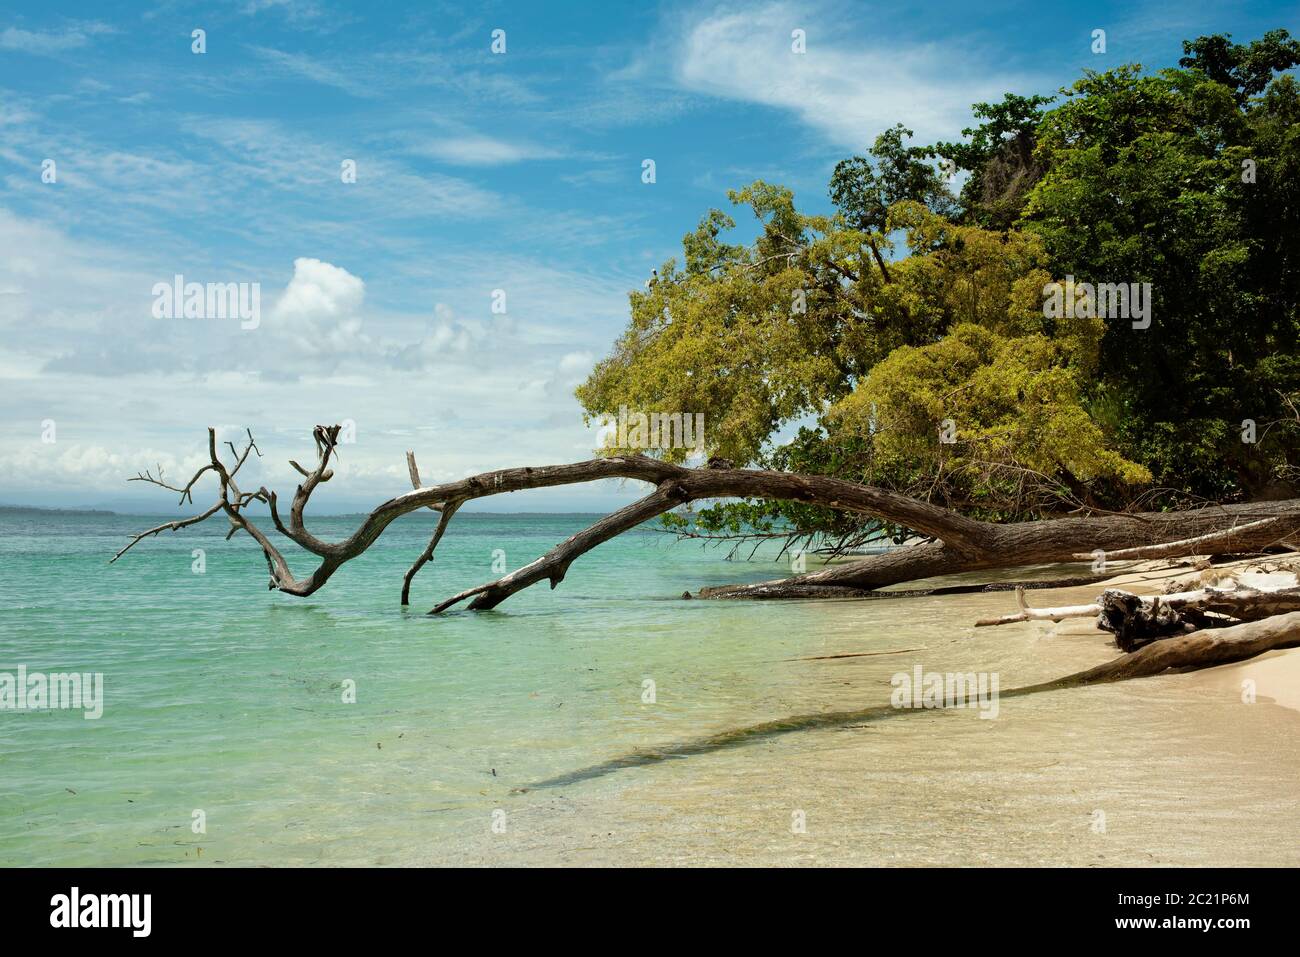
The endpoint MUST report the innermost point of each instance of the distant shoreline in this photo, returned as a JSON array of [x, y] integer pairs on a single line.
[[24, 509], [44, 510]]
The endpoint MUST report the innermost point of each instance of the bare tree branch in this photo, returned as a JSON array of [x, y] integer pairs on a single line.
[[414, 471], [956, 543], [555, 563], [165, 527], [444, 519]]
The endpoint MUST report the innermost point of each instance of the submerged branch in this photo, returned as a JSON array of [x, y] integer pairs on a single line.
[[954, 542]]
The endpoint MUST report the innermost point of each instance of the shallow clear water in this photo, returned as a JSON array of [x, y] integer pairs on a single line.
[[224, 697]]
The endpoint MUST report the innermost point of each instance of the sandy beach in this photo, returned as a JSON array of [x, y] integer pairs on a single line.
[[1174, 770]]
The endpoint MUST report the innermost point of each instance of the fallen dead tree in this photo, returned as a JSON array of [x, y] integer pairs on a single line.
[[954, 542], [1136, 622]]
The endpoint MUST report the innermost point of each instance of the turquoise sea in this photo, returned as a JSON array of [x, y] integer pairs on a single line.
[[224, 703], [226, 698]]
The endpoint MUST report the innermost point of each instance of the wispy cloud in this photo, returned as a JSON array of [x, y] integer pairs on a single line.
[[293, 9], [846, 88], [479, 150], [50, 42], [278, 156], [306, 67]]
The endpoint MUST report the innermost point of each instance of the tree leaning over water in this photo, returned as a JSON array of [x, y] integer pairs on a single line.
[[904, 339], [955, 542], [866, 331], [1258, 622], [934, 400]]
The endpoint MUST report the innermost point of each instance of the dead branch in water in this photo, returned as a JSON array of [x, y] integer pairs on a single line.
[[447, 509], [956, 543]]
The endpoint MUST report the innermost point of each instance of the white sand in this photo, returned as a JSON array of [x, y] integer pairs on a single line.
[[1172, 770]]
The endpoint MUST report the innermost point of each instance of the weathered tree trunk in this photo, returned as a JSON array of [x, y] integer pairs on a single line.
[[959, 543], [1237, 527], [1200, 649], [1136, 622]]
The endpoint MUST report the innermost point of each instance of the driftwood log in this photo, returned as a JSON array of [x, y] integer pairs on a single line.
[[1136, 621], [954, 542]]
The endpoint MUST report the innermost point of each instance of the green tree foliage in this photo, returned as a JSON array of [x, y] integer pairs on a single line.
[[912, 316], [1184, 180], [1246, 70], [999, 155]]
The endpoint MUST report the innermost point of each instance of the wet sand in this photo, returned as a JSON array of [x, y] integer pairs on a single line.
[[1173, 770]]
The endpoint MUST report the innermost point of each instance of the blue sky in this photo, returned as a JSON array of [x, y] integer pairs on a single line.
[[476, 171]]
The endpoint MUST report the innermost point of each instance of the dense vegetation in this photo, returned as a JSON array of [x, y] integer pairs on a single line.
[[906, 337]]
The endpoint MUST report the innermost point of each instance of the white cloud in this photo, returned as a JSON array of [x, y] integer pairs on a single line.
[[848, 90], [576, 363], [129, 391], [46, 43], [320, 290], [12, 114], [573, 369], [63, 465], [319, 310], [448, 337], [479, 150]]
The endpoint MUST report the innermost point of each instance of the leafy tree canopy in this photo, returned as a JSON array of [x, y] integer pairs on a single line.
[[904, 338]]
